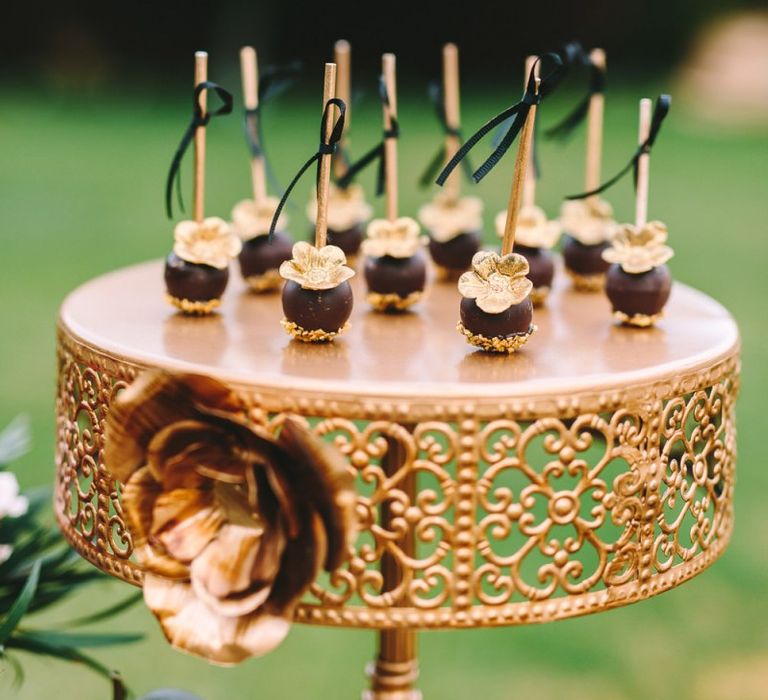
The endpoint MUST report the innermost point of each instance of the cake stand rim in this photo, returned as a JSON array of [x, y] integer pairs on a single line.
[[476, 392]]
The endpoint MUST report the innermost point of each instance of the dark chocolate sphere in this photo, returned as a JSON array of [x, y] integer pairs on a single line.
[[516, 319], [317, 309], [584, 259], [541, 263], [457, 253], [645, 293], [185, 280], [349, 241], [401, 276], [260, 255]]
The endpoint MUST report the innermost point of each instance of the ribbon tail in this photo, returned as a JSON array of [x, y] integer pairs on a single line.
[[432, 169], [174, 172], [566, 126], [503, 147], [288, 190], [607, 183], [354, 169]]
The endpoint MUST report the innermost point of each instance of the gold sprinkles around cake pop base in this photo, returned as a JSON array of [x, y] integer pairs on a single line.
[[270, 281], [392, 302], [637, 320], [539, 295], [510, 344], [194, 308], [318, 335], [587, 283]]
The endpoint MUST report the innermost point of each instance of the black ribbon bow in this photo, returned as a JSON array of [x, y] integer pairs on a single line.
[[437, 97], [326, 147], [660, 111], [518, 111], [573, 54], [199, 119], [378, 152]]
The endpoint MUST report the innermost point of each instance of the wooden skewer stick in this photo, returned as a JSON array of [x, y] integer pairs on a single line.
[[452, 115], [529, 182], [595, 129], [198, 193], [250, 76], [342, 55], [643, 165], [521, 165], [390, 145], [321, 227]]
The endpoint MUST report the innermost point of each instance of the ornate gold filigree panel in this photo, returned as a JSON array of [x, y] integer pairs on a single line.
[[543, 509]]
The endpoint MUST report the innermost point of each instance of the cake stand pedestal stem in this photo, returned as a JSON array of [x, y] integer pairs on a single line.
[[396, 668]]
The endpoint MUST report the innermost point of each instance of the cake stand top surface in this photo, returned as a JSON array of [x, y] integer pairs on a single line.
[[577, 345]]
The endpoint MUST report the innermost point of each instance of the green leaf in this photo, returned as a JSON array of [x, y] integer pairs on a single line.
[[35, 646], [16, 668], [81, 639], [111, 611], [14, 440], [19, 608]]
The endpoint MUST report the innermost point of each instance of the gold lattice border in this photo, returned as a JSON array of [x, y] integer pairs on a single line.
[[670, 433]]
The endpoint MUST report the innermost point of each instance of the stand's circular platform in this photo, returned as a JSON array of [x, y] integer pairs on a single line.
[[590, 470]]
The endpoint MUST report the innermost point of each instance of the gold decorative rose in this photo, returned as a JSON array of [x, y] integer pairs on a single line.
[[446, 218], [533, 228], [590, 221], [398, 239], [495, 281], [316, 268], [229, 523], [209, 242], [346, 207], [251, 219], [639, 249]]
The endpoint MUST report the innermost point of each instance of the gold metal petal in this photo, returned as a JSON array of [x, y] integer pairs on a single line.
[[138, 500], [520, 288], [185, 521], [485, 263], [513, 265], [471, 285], [153, 560], [191, 626]]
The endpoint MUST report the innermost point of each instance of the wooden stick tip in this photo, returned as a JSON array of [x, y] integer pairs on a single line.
[[450, 49], [597, 56], [342, 46], [201, 54], [247, 52]]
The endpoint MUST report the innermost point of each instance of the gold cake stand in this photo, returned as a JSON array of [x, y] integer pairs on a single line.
[[591, 470]]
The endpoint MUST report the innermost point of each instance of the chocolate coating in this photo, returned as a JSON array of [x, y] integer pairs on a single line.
[[317, 309], [584, 259], [185, 280], [401, 276], [349, 241], [541, 263], [457, 253], [645, 293], [259, 255], [516, 319]]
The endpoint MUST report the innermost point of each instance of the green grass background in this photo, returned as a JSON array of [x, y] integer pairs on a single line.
[[81, 185]]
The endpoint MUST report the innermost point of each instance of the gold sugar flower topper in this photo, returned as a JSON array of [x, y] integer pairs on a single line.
[[210, 242], [533, 229], [252, 219], [590, 221], [230, 524], [398, 239], [446, 218], [347, 208], [316, 268], [495, 281], [639, 249]]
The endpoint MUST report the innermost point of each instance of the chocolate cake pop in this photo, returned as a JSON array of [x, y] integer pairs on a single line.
[[261, 255], [638, 284], [317, 297], [197, 270], [395, 269], [453, 223]]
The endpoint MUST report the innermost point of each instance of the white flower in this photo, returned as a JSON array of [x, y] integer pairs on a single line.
[[445, 219], [533, 229], [12, 505], [346, 208], [210, 242], [590, 221], [251, 220]]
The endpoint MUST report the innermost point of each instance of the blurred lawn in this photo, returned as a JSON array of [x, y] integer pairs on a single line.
[[81, 190]]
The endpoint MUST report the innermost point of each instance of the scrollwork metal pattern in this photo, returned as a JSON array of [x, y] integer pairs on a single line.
[[529, 516]]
